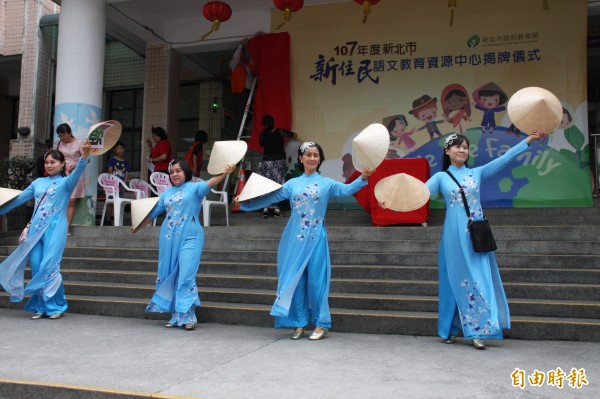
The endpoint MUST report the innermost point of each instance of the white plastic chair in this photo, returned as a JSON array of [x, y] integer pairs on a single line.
[[221, 201], [207, 204], [110, 184], [143, 186], [161, 181]]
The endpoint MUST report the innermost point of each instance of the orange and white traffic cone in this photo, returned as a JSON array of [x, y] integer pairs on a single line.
[[240, 186]]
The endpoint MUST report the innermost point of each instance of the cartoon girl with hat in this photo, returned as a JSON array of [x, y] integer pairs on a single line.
[[399, 134], [456, 105], [425, 110], [489, 98]]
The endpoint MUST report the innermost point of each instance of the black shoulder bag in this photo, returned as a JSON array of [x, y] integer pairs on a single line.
[[481, 233]]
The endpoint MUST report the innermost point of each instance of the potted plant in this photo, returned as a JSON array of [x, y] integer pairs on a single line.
[[17, 172]]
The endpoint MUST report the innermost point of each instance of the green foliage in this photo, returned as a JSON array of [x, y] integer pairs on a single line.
[[16, 172]]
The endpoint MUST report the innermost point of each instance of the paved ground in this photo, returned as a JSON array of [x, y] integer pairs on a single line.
[[218, 361]]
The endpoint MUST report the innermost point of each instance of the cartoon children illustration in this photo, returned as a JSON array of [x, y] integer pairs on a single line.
[[489, 98], [561, 139], [397, 129], [456, 105], [425, 110]]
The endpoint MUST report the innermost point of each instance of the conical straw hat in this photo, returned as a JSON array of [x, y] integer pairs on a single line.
[[402, 192], [225, 153], [103, 136], [370, 147], [257, 186], [8, 194], [140, 209], [534, 108]]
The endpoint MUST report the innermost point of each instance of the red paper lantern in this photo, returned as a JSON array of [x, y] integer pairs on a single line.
[[288, 7], [366, 7], [216, 12]]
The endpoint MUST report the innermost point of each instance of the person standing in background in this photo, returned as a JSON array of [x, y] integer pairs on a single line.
[[273, 166], [70, 147], [195, 153], [242, 77], [160, 150]]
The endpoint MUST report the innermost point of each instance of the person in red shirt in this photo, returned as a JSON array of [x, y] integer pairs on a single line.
[[160, 151]]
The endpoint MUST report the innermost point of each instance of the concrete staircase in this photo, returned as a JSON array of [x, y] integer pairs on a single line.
[[384, 280]]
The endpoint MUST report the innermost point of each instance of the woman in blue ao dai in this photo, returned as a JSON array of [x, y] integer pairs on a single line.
[[46, 240], [303, 262], [180, 244], [471, 296]]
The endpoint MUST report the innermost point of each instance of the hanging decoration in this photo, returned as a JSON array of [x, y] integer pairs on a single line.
[[452, 6], [288, 7], [216, 12], [545, 5], [366, 7]]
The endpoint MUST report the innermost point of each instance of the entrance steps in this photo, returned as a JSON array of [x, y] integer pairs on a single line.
[[384, 280]]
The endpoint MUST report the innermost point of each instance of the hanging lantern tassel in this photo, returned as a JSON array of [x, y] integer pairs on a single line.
[[215, 12], [215, 27], [366, 10], [546, 5], [287, 16], [288, 7], [366, 5], [451, 5]]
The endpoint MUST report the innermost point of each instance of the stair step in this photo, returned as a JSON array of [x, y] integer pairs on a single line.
[[344, 320]]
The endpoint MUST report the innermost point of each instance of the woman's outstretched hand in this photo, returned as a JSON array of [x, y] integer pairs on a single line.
[[537, 135], [366, 173], [86, 147]]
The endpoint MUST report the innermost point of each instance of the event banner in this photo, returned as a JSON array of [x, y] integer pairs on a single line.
[[425, 76]]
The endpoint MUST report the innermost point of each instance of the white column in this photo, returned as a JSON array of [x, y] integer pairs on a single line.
[[79, 82]]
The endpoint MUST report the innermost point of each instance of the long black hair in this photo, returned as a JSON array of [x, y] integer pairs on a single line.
[[451, 141], [57, 155], [64, 128], [310, 144]]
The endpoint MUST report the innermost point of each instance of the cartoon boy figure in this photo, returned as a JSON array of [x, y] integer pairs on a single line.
[[489, 98], [425, 110]]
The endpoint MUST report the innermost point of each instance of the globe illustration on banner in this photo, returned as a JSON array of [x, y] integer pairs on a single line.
[[541, 175]]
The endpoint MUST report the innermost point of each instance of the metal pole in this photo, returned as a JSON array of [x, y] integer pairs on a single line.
[[596, 180]]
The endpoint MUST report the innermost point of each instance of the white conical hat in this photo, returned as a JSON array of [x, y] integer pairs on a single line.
[[402, 192], [370, 147], [140, 209], [225, 153], [103, 136], [8, 194], [257, 186], [534, 108]]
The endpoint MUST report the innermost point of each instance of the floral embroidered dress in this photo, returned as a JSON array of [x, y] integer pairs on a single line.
[[44, 245], [179, 251], [303, 262], [471, 295]]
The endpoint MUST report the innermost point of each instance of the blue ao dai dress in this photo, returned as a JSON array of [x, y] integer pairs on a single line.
[[303, 262], [471, 296], [44, 245], [179, 251]]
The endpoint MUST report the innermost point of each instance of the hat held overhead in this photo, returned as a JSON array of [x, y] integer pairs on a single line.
[[535, 108], [370, 147], [103, 136], [225, 153]]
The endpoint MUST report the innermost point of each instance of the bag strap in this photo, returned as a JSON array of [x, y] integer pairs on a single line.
[[41, 199], [462, 193]]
